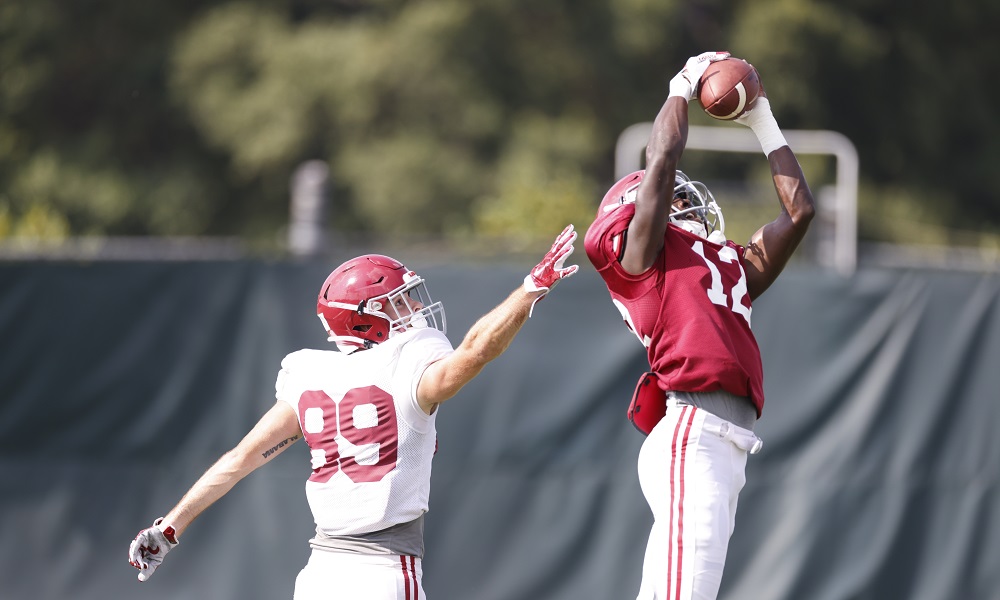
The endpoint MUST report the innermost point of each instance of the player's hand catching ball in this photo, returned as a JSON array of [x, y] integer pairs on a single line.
[[551, 271], [149, 547], [685, 83]]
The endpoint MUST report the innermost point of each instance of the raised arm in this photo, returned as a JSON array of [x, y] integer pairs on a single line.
[[494, 331], [770, 248], [274, 433], [663, 152]]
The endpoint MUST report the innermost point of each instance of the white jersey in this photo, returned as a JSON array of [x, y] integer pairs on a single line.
[[371, 443]]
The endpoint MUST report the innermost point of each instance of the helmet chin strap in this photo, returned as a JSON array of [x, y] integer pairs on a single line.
[[695, 227], [350, 345], [698, 228]]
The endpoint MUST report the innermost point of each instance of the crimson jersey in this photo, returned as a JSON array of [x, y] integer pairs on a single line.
[[690, 310]]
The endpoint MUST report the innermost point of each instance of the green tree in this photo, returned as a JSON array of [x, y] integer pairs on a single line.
[[87, 138], [460, 119]]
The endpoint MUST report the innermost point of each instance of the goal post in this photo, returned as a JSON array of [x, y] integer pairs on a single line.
[[841, 205]]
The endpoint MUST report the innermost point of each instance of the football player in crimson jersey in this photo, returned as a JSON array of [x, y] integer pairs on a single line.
[[686, 291], [367, 414]]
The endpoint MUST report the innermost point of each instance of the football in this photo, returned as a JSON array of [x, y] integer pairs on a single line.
[[728, 88]]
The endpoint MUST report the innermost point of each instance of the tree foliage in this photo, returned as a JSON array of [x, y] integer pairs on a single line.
[[446, 117]]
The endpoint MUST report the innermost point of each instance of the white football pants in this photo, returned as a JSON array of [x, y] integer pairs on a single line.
[[350, 576], [691, 470]]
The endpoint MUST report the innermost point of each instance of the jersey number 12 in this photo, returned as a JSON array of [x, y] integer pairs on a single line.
[[716, 293]]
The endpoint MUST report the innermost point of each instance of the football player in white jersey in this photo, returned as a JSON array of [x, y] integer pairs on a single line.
[[367, 413]]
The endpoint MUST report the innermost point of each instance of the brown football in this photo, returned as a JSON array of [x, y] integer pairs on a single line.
[[728, 88]]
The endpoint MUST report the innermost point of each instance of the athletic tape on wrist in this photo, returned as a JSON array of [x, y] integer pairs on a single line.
[[770, 136], [765, 127], [680, 86]]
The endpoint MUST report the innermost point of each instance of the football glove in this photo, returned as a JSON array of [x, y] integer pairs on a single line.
[[150, 547], [685, 83], [551, 271]]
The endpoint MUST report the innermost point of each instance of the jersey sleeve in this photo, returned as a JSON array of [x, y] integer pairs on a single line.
[[294, 367], [425, 347], [604, 241], [281, 384], [605, 244]]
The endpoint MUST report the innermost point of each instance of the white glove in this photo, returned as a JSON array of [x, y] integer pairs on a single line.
[[150, 547], [685, 83], [760, 120]]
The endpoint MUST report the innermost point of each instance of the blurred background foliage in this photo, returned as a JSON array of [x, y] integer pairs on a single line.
[[457, 120]]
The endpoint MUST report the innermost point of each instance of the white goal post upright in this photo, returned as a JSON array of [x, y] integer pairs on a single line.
[[844, 204]]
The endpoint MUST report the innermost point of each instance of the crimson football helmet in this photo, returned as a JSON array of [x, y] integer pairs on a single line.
[[370, 298], [709, 224]]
